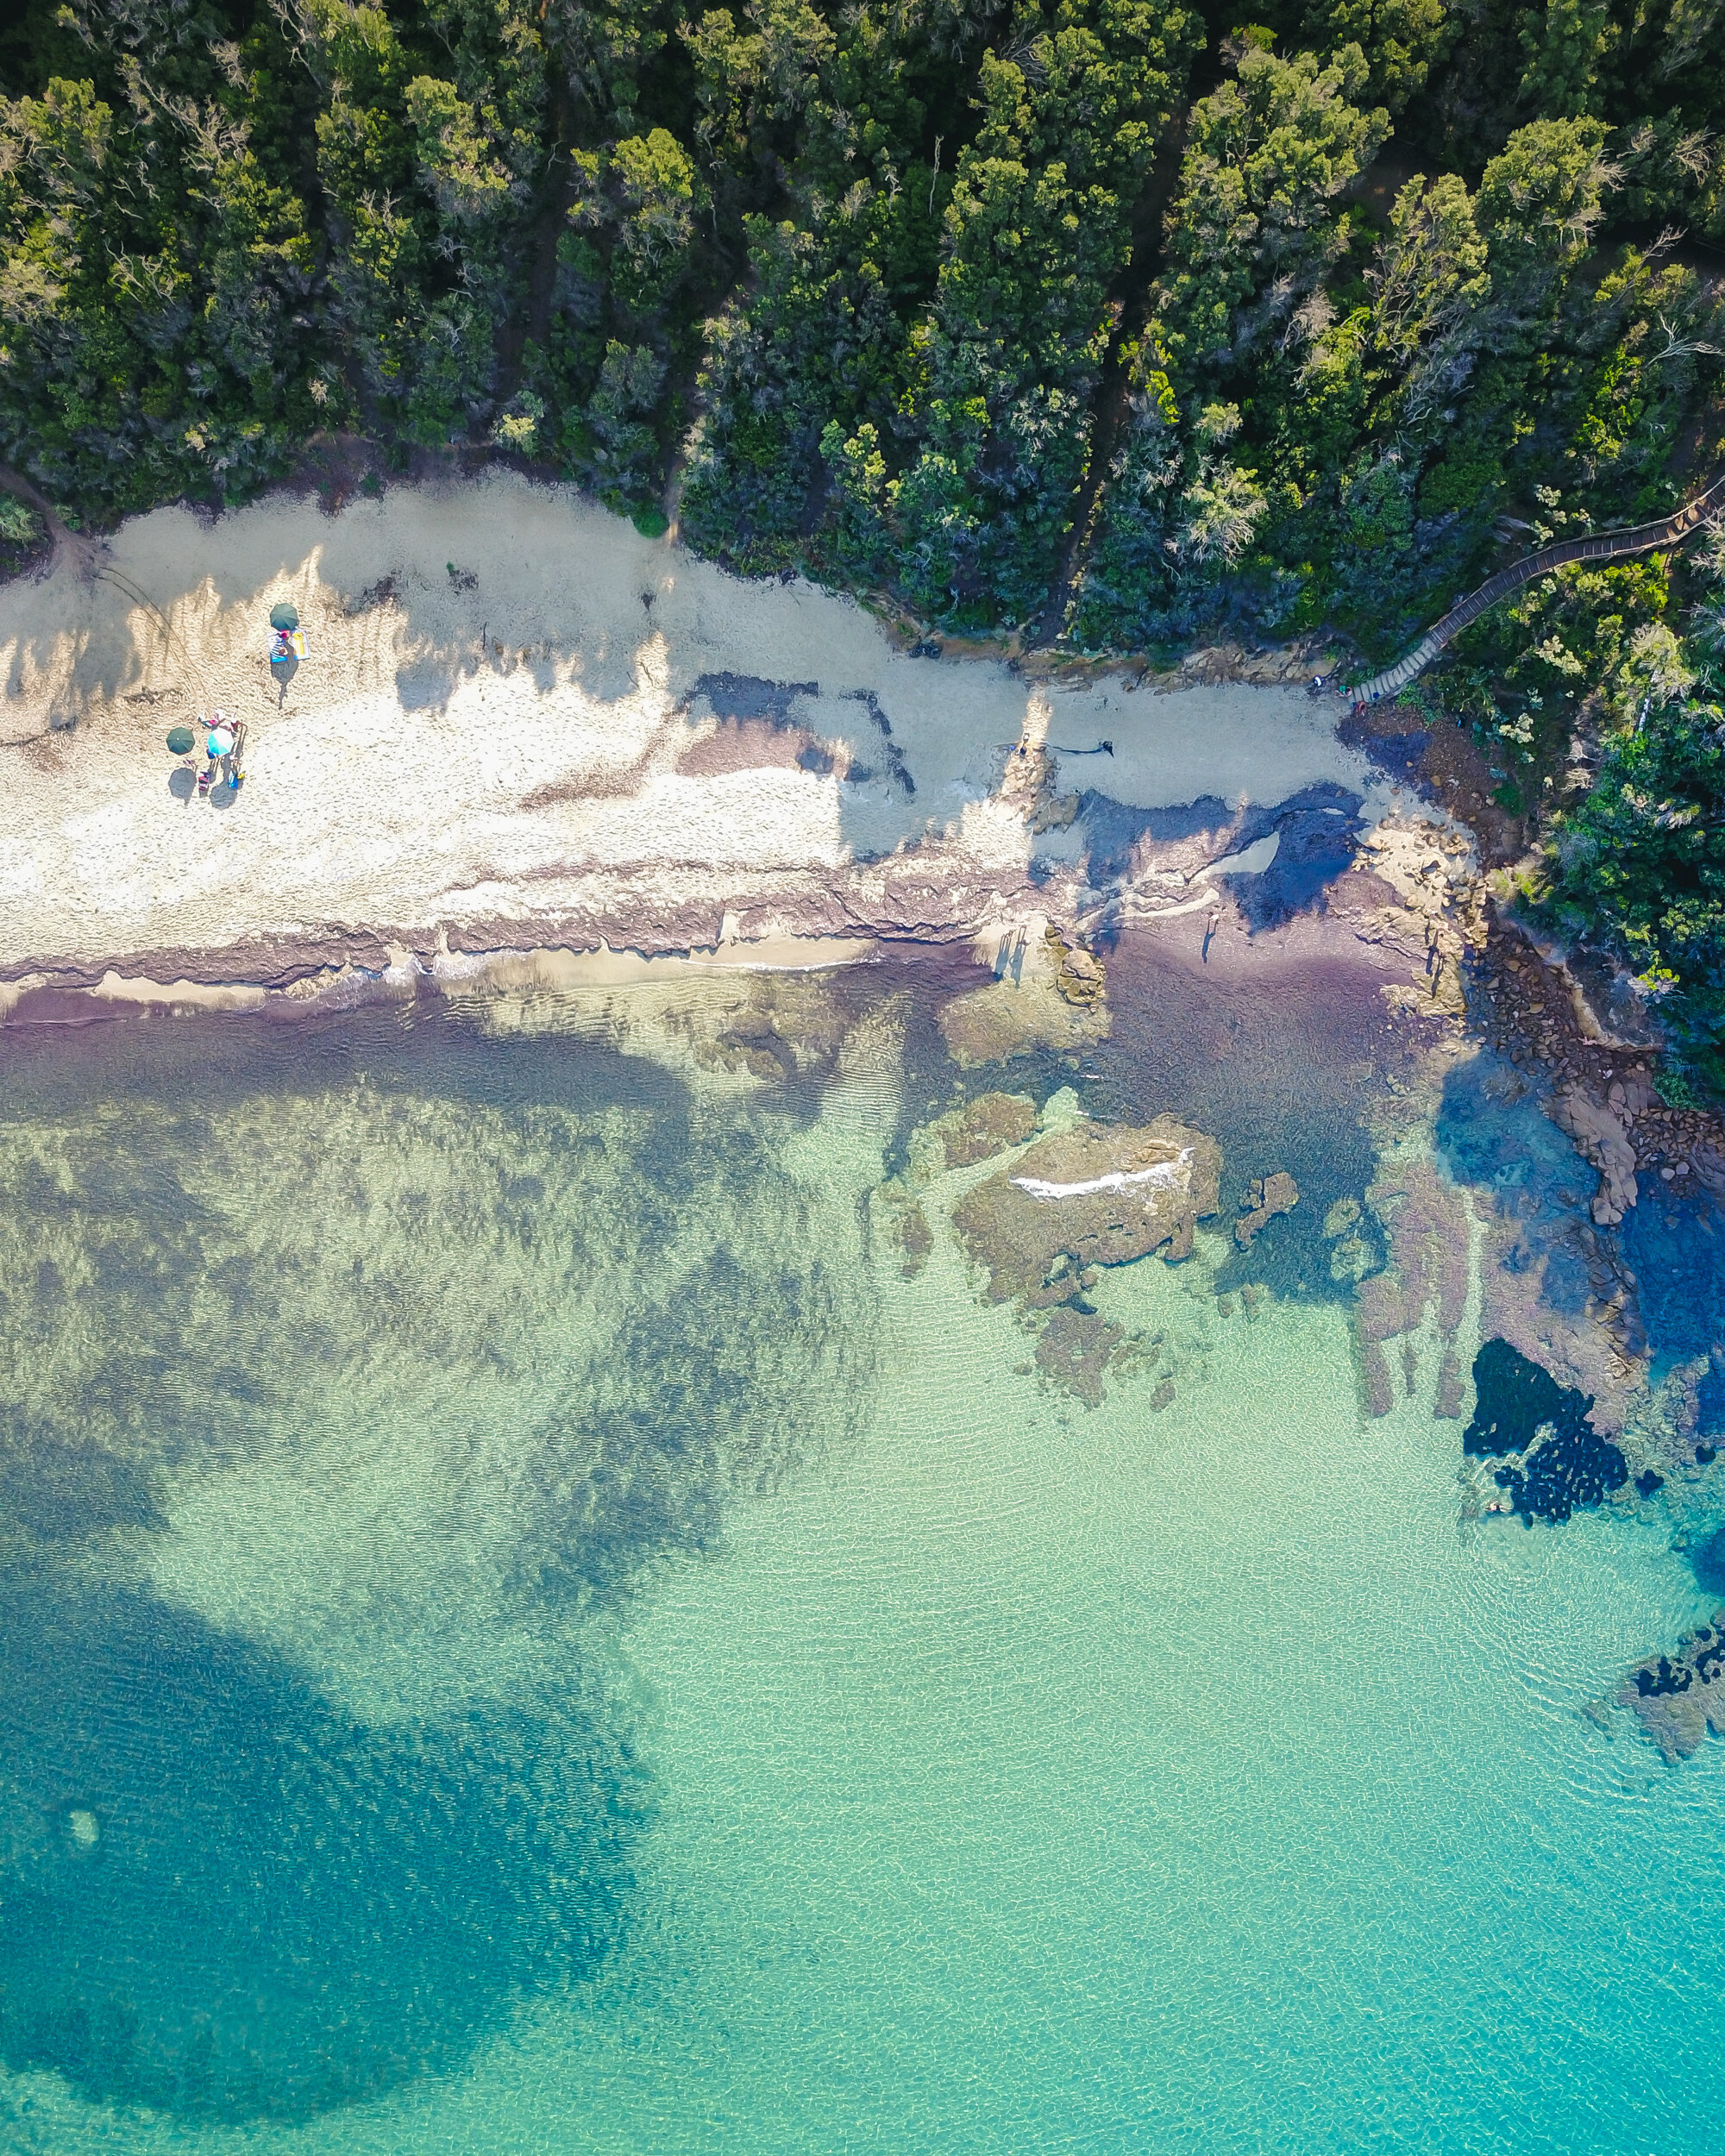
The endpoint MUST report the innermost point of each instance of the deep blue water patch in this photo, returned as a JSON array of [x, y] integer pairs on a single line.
[[277, 1910], [1675, 1241]]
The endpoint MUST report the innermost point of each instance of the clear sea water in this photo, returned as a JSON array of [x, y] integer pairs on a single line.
[[521, 1630]]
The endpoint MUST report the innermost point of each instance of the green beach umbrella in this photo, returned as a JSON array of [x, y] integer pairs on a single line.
[[180, 740], [286, 616]]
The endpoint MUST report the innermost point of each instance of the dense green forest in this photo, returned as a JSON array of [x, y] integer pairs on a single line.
[[1112, 322]]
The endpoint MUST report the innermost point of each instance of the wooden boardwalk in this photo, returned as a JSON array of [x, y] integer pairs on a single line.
[[1602, 546]]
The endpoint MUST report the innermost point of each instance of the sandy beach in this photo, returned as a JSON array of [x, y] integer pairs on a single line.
[[518, 724]]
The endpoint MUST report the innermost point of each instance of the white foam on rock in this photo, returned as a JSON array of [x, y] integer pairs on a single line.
[[1163, 1175]]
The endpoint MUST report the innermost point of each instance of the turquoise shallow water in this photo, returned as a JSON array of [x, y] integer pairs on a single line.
[[565, 1648]]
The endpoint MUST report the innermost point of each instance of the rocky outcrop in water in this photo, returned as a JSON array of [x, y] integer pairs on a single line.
[[990, 1123], [1352, 1256], [1601, 1139], [1079, 978], [914, 1237], [1049, 993], [1095, 1194]]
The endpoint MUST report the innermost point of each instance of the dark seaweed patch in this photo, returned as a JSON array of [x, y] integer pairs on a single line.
[[724, 1372], [271, 1909], [1570, 1467], [221, 1896], [1570, 1470], [1515, 1398], [61, 1491]]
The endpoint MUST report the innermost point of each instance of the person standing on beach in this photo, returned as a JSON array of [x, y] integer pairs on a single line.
[[220, 744]]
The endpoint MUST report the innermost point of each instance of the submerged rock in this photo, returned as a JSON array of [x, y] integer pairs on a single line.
[[914, 1237], [1078, 1348], [1677, 1698], [1380, 1393], [1447, 1405], [1425, 1226], [988, 1124], [1096, 1195], [1342, 1215], [1267, 1197]]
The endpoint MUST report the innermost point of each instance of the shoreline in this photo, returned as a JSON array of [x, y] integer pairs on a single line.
[[313, 982]]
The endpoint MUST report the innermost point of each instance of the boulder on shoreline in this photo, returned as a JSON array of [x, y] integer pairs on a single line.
[[1600, 1139], [1050, 994]]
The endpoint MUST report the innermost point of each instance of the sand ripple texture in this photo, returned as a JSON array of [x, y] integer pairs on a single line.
[[519, 722]]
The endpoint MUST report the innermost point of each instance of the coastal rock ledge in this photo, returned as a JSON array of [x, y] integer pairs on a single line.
[[1094, 1194]]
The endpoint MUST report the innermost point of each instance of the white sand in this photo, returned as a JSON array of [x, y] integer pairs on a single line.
[[517, 755]]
